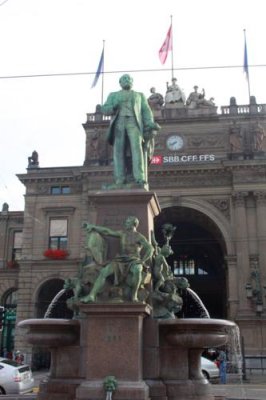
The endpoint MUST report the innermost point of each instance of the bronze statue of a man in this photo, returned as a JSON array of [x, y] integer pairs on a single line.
[[131, 133]]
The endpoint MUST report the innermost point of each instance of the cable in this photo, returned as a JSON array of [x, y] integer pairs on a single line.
[[125, 71]]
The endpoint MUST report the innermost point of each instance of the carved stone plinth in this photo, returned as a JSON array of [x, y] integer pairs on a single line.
[[111, 342], [111, 208]]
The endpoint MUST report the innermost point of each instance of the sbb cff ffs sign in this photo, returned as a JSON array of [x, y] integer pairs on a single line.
[[191, 158]]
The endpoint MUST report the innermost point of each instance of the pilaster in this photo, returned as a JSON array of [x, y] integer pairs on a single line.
[[233, 299], [260, 197], [242, 245]]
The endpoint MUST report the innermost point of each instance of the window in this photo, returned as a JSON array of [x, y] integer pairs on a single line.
[[188, 266], [60, 190], [17, 246], [58, 233]]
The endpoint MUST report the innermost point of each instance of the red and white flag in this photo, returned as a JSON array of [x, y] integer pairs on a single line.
[[166, 47]]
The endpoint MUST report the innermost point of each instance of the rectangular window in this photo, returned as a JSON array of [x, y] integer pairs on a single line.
[[17, 246], [65, 189], [60, 190], [58, 234], [55, 190]]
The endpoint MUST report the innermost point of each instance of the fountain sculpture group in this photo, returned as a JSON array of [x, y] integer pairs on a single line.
[[125, 340]]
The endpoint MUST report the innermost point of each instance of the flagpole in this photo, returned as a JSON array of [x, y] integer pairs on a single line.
[[102, 74], [246, 65], [172, 54]]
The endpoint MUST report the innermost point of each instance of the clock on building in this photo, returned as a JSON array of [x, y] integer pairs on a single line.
[[174, 142]]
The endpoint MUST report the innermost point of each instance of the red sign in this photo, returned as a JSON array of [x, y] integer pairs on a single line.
[[157, 160]]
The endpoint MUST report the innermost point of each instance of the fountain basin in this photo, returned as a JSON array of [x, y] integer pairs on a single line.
[[181, 343], [51, 332], [196, 332]]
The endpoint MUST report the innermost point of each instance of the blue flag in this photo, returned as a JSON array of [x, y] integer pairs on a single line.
[[99, 70], [245, 66]]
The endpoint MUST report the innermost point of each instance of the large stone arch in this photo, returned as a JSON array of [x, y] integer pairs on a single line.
[[213, 213], [203, 238], [6, 285]]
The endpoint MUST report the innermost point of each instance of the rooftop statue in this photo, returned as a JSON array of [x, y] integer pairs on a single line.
[[131, 133], [174, 93], [155, 100], [259, 135], [5, 207], [197, 100], [235, 138], [33, 160]]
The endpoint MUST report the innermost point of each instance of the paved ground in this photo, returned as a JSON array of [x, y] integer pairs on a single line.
[[253, 388], [241, 391]]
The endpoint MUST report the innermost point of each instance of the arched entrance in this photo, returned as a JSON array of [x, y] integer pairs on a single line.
[[46, 294], [199, 251], [9, 302]]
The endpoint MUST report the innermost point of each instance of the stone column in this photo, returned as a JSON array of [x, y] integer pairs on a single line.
[[233, 300], [252, 225], [3, 238], [261, 232], [242, 246]]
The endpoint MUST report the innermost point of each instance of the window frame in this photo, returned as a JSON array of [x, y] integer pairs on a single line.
[[16, 251], [59, 239], [60, 190]]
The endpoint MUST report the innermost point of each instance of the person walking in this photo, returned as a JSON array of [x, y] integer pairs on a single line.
[[222, 366]]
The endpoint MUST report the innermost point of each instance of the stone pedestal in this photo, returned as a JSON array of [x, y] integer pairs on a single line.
[[111, 342], [111, 208]]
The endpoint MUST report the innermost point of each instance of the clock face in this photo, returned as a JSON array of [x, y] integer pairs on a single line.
[[175, 142]]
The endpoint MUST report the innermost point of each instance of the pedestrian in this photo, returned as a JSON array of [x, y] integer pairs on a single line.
[[222, 366], [19, 358]]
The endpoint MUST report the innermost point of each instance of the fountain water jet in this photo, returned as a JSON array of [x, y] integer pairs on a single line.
[[53, 303], [204, 312]]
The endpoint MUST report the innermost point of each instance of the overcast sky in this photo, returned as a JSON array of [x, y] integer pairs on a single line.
[[66, 36]]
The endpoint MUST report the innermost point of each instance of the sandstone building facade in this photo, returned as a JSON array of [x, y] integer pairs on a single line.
[[209, 174]]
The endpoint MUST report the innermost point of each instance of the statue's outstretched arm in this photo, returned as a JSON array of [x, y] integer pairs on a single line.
[[102, 230]]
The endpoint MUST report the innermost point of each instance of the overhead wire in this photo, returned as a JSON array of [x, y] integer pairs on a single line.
[[124, 71]]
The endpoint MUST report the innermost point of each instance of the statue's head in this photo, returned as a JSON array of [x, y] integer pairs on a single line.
[[131, 222], [126, 82], [166, 250], [181, 282]]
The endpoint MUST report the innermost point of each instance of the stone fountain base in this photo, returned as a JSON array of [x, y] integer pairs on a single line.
[[150, 359]]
